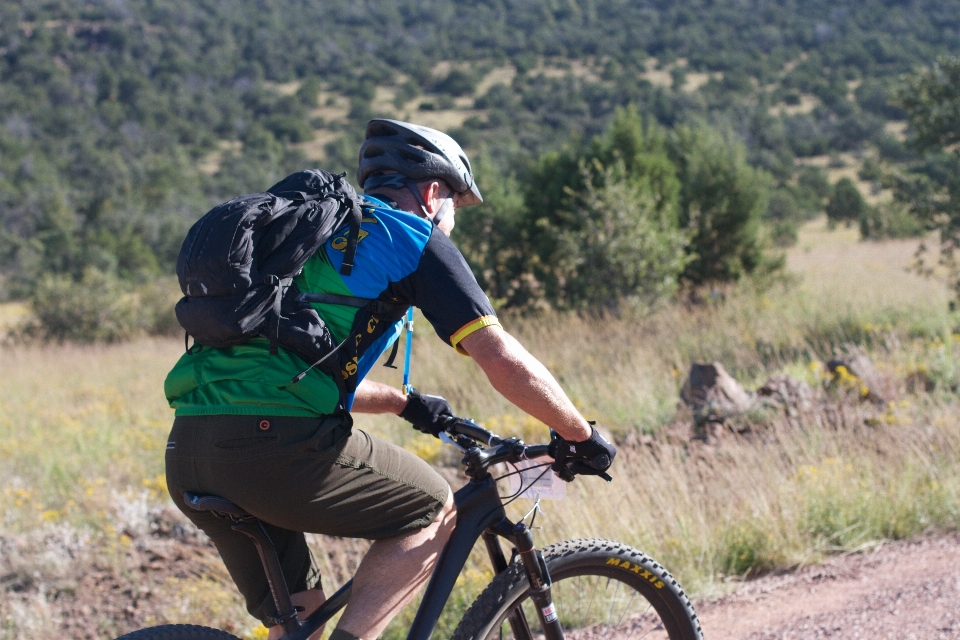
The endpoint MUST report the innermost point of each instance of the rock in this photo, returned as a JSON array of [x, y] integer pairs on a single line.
[[872, 385], [919, 381], [714, 396], [794, 397]]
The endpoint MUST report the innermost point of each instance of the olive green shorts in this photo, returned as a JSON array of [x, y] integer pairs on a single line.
[[315, 475]]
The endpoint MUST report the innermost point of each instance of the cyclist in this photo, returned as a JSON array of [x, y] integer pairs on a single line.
[[286, 454]]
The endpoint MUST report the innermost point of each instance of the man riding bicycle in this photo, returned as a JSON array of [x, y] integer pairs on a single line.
[[288, 455]]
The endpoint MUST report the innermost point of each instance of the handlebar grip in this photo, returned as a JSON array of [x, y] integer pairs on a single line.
[[469, 428], [537, 451]]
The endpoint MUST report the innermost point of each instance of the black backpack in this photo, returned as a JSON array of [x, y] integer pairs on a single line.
[[237, 264]]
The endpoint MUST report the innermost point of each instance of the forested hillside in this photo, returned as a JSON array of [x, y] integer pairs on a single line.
[[122, 122]]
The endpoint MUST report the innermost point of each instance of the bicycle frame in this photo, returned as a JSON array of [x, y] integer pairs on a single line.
[[480, 514]]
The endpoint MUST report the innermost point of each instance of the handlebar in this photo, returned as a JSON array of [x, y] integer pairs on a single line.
[[466, 434]]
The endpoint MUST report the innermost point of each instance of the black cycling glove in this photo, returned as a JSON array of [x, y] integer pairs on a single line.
[[428, 414], [592, 457]]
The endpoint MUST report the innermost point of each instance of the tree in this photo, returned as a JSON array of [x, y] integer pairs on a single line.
[[931, 187], [586, 205], [491, 238], [722, 199], [846, 204], [624, 250]]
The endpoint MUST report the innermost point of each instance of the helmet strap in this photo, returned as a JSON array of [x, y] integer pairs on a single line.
[[445, 208], [416, 192]]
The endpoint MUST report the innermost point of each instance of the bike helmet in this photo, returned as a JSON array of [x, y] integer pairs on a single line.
[[416, 153]]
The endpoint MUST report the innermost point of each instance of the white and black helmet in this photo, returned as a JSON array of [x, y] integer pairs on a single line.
[[416, 153]]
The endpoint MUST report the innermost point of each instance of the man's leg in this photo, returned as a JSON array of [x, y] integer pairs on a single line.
[[392, 573]]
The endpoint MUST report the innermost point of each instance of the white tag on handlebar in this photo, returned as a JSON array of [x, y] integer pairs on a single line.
[[545, 487]]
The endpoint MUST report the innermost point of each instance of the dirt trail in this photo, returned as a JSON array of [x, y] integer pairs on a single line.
[[903, 590]]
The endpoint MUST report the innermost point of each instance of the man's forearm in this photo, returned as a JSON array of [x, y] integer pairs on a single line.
[[376, 397], [524, 381]]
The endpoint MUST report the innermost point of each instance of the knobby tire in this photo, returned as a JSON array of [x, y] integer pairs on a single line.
[[178, 632], [602, 590]]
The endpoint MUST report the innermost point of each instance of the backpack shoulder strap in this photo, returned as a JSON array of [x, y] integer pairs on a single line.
[[350, 199]]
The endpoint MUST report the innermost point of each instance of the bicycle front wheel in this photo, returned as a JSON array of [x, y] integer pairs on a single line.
[[602, 590]]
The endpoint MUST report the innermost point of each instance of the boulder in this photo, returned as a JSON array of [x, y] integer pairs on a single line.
[[715, 397], [794, 397], [873, 385]]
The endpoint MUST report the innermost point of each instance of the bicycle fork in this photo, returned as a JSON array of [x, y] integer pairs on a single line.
[[538, 578]]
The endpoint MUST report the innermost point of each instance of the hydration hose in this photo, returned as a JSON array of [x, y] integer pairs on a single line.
[[408, 325]]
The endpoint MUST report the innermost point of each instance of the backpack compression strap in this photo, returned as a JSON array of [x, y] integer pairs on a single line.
[[280, 285]]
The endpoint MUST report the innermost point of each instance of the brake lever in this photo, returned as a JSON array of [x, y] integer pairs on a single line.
[[445, 437]]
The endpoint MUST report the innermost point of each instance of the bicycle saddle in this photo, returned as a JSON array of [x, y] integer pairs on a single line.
[[199, 502]]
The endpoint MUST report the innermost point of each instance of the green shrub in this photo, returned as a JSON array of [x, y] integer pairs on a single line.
[[746, 549], [889, 220], [601, 221], [846, 204], [784, 234], [100, 307], [624, 249], [459, 82]]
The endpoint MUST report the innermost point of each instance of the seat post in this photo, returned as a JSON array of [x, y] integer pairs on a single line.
[[286, 612]]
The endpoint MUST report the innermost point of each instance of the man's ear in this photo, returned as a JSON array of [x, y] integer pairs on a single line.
[[429, 193]]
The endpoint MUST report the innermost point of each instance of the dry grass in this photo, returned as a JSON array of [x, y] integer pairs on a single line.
[[660, 75], [82, 425]]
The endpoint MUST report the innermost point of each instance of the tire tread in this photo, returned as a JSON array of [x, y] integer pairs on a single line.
[[178, 632]]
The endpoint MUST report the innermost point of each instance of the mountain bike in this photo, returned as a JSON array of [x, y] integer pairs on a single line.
[[587, 589]]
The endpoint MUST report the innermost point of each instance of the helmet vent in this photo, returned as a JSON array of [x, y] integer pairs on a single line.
[[411, 157], [381, 130]]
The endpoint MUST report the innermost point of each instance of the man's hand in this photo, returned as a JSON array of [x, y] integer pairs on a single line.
[[592, 457], [428, 414]]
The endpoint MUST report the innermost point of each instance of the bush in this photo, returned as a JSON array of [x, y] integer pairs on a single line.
[[783, 206], [100, 308], [846, 204], [814, 180], [629, 170], [889, 220], [624, 250], [784, 234], [458, 83]]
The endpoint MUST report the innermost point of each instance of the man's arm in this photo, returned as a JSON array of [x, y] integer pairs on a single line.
[[512, 371], [376, 397], [525, 382]]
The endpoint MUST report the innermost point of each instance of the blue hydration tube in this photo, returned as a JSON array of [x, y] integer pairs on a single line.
[[408, 325]]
